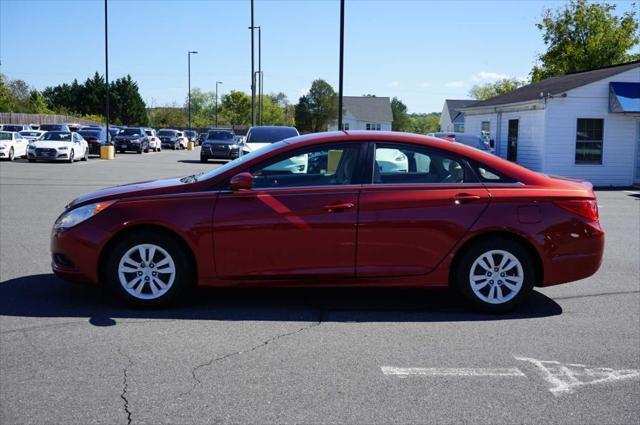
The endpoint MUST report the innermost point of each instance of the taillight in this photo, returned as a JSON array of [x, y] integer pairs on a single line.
[[587, 208]]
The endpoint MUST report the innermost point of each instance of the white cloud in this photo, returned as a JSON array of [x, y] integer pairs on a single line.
[[488, 76], [424, 84], [394, 84], [456, 84]]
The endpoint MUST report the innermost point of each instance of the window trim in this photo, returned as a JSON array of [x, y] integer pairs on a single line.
[[575, 142]]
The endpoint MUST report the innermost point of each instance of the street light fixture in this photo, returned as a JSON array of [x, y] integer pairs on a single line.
[[189, 78], [217, 82]]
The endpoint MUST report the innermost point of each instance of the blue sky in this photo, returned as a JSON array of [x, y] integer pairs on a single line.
[[420, 51]]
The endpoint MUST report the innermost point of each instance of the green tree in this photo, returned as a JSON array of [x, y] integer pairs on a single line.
[[317, 109], [37, 103], [489, 90], [425, 123], [168, 117], [235, 108], [128, 106], [584, 35], [401, 119], [7, 100]]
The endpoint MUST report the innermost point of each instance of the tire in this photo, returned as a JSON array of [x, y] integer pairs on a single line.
[[203, 159], [146, 150], [139, 152], [31, 160], [12, 154], [86, 155], [72, 156], [499, 287], [145, 287]]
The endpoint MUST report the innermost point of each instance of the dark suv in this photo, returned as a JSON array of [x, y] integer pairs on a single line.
[[132, 139], [219, 144], [192, 136], [95, 137]]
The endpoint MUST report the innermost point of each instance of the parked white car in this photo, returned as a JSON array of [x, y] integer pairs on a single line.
[[59, 146], [12, 145], [32, 135], [261, 136], [154, 141], [182, 139]]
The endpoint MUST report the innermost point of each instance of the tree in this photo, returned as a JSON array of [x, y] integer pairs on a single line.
[[489, 90], [425, 123], [401, 119], [37, 103], [168, 117], [235, 108], [583, 36], [7, 100], [128, 106], [317, 109]]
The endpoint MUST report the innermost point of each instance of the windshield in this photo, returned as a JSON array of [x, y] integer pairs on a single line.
[[30, 133], [131, 132], [51, 127], [220, 135], [241, 160], [270, 134], [166, 133], [5, 136], [60, 136], [13, 128]]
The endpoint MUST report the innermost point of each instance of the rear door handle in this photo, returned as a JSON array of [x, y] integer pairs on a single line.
[[339, 207], [463, 198]]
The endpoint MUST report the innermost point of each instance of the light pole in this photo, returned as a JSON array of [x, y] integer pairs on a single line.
[[341, 64], [253, 77], [106, 63], [217, 82], [189, 79], [259, 73]]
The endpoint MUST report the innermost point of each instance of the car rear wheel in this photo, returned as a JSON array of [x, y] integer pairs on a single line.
[[86, 155], [494, 276], [148, 269]]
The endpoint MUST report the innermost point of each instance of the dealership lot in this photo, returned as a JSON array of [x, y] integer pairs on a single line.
[[71, 355]]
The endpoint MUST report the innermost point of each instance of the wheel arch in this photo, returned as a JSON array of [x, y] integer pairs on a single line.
[[501, 234], [141, 228]]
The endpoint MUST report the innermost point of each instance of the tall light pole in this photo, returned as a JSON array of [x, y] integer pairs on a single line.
[[217, 82], [253, 76], [189, 78], [106, 63], [341, 64], [259, 74]]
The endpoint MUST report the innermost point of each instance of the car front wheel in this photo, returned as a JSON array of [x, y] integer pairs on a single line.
[[494, 276], [71, 156], [148, 269], [12, 154]]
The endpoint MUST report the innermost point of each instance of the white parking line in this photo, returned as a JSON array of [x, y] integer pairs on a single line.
[[403, 372]]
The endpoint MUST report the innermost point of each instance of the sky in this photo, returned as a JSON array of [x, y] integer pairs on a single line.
[[420, 51]]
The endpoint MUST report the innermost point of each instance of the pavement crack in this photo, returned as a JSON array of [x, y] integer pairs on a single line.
[[125, 386], [194, 371], [602, 294]]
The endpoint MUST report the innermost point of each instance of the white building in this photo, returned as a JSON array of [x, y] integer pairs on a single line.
[[451, 118], [584, 125], [365, 113]]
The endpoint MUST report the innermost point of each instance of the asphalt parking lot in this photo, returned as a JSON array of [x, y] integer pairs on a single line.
[[70, 355]]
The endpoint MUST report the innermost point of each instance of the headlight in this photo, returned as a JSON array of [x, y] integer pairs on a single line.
[[64, 148], [135, 141], [234, 146], [76, 216]]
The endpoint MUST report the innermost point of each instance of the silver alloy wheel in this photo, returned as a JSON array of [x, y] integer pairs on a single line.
[[146, 271], [496, 276]]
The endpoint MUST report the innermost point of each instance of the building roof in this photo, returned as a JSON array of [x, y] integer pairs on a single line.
[[370, 109], [453, 105], [557, 85]]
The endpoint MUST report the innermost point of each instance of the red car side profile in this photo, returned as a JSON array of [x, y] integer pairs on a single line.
[[350, 208]]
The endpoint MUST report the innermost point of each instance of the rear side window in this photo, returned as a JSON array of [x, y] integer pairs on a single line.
[[404, 164], [488, 175]]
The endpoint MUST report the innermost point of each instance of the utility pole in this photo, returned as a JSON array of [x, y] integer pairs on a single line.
[[258, 76], [106, 62], [341, 64], [253, 77], [217, 82], [189, 53]]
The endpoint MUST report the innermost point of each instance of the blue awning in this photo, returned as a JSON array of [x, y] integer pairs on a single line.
[[624, 97]]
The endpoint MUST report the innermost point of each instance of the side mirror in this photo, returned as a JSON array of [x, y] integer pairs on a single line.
[[242, 181]]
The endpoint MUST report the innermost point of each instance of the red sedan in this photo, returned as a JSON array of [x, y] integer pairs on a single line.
[[338, 209]]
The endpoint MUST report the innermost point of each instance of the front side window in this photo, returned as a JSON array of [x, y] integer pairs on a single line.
[[395, 164], [589, 136], [321, 166]]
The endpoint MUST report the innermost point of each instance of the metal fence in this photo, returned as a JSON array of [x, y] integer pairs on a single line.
[[16, 118]]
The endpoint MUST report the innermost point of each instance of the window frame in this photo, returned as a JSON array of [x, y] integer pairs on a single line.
[[576, 141]]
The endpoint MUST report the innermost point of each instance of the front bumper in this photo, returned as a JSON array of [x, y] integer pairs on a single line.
[[219, 152], [48, 155], [126, 146]]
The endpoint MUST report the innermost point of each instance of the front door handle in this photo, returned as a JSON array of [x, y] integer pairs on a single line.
[[339, 207], [463, 198]]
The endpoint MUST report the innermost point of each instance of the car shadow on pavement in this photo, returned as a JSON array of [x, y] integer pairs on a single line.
[[197, 161], [45, 295]]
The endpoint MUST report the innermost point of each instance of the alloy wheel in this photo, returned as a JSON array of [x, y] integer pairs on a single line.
[[496, 276], [146, 271]]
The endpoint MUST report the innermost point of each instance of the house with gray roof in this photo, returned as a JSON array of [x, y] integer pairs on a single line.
[[365, 113], [584, 125], [451, 118]]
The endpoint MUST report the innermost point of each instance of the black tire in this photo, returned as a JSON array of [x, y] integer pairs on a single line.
[[139, 151], [203, 159], [12, 155], [146, 150], [86, 155], [31, 160], [184, 277], [462, 281], [72, 156]]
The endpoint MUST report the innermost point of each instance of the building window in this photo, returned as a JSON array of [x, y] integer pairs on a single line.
[[486, 127], [589, 141], [345, 126], [368, 126], [373, 126]]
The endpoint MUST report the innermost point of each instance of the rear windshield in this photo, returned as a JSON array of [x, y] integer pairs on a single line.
[[149, 132], [86, 134], [131, 132], [167, 133], [13, 128], [271, 134], [51, 127], [220, 135], [30, 133], [62, 136]]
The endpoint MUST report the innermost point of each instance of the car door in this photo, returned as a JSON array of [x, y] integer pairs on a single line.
[[418, 205], [293, 223], [22, 143]]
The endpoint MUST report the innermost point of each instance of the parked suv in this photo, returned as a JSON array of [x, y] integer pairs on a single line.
[[219, 144], [55, 127], [170, 139], [132, 139], [95, 137]]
